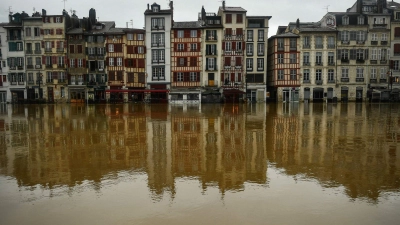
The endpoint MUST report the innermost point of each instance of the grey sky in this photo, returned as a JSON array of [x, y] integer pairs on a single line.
[[122, 11]]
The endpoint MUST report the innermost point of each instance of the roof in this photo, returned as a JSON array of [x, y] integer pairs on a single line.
[[256, 17], [187, 24], [232, 9], [317, 29], [288, 34]]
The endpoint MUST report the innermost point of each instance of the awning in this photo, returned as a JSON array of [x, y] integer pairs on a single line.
[[234, 91], [211, 92], [138, 91]]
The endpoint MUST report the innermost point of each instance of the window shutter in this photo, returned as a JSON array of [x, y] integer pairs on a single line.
[[76, 63], [54, 19], [54, 60], [144, 49], [43, 59], [41, 31], [42, 44], [86, 50], [52, 44], [175, 77], [391, 64], [339, 35], [58, 44], [223, 45], [234, 46], [239, 77], [339, 54], [61, 19], [51, 31], [352, 54], [238, 61], [65, 44], [232, 77], [66, 61], [366, 54]]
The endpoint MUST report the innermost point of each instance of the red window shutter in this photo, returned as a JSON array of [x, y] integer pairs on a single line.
[[54, 19], [144, 49], [239, 77], [199, 33], [233, 46], [41, 31], [186, 77], [141, 63], [130, 49], [58, 44], [223, 45], [135, 49], [134, 63], [175, 77], [227, 61], [84, 63], [199, 47], [126, 63], [238, 61], [54, 60], [43, 59], [239, 31], [232, 76], [107, 61], [66, 61], [42, 44], [76, 63], [51, 31], [52, 44], [65, 44], [186, 34], [61, 19], [55, 75], [228, 31]]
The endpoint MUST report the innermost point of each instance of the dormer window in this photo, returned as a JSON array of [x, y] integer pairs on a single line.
[[360, 20], [397, 15], [345, 20], [156, 9]]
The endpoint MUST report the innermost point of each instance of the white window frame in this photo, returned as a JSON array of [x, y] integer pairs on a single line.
[[193, 33], [119, 61], [111, 61], [110, 47]]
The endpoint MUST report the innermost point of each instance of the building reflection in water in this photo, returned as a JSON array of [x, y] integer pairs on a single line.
[[223, 146]]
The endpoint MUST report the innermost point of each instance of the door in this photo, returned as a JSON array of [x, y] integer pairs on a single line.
[[211, 79], [3, 97], [286, 96], [50, 94]]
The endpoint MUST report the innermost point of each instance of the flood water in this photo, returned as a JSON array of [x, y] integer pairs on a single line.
[[208, 164]]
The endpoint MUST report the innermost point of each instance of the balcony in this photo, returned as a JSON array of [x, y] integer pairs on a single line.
[[359, 79], [229, 37], [77, 82], [13, 68], [331, 81], [319, 46], [331, 46], [345, 42], [212, 38], [360, 42], [157, 45], [383, 62], [61, 66], [373, 61], [211, 68], [29, 51], [100, 56], [360, 61], [38, 51], [157, 27], [306, 46], [331, 63], [92, 56], [49, 66], [344, 80], [48, 50], [384, 42], [211, 52], [319, 64], [374, 42], [211, 83], [20, 67], [293, 49], [373, 81], [60, 50], [31, 82], [38, 66], [306, 81], [318, 82], [29, 66], [14, 38], [306, 63], [382, 81], [382, 26], [344, 60]]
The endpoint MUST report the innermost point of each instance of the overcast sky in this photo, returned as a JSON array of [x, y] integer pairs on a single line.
[[122, 11]]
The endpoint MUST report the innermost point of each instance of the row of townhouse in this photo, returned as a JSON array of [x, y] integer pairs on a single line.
[[62, 58], [346, 56]]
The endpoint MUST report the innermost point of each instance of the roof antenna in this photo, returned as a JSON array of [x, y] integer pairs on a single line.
[[327, 8], [64, 3], [9, 10]]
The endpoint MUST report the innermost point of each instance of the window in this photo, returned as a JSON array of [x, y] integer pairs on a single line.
[[91, 39], [46, 31], [179, 76], [374, 36], [345, 20], [92, 51], [60, 60], [360, 20], [331, 75], [158, 73], [318, 58], [156, 9], [100, 51], [281, 75], [80, 62], [360, 54], [249, 35], [260, 48], [193, 47], [100, 64], [345, 54], [180, 34], [306, 76], [306, 42], [38, 61], [181, 62], [373, 73], [36, 31], [58, 19], [249, 64], [360, 36], [396, 65], [318, 42], [211, 49], [140, 50], [293, 57], [110, 47], [280, 59], [331, 42], [345, 72], [345, 36], [249, 49], [129, 37], [306, 58], [318, 75], [193, 76], [140, 37], [280, 44], [239, 18], [157, 23], [28, 32], [210, 64], [228, 46], [383, 73], [293, 43], [193, 33], [384, 37], [19, 46], [193, 61], [119, 61], [100, 39], [228, 18], [211, 35], [111, 61], [181, 47], [72, 63], [260, 64], [293, 75], [360, 72], [331, 58], [157, 39], [260, 35]]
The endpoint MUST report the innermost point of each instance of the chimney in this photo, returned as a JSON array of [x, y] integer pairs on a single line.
[[223, 5], [359, 6], [297, 23], [148, 6], [44, 12]]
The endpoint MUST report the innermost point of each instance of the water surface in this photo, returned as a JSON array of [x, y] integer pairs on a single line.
[[208, 164]]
